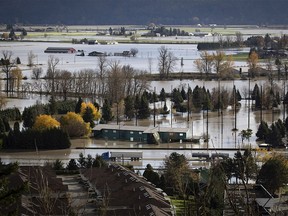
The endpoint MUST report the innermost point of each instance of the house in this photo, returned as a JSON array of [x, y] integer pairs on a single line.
[[122, 192], [141, 134], [95, 53], [60, 50], [45, 194], [257, 195]]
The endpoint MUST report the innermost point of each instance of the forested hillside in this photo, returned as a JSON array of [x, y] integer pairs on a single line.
[[182, 12]]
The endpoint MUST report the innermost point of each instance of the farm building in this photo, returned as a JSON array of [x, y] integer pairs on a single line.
[[60, 50], [140, 134]]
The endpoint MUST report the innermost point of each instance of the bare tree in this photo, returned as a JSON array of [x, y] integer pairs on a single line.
[[204, 64], [166, 62], [229, 40], [64, 81], [133, 51], [101, 73], [218, 59], [115, 90], [36, 73], [7, 64], [239, 38], [141, 83], [15, 79], [31, 58], [128, 75], [51, 72]]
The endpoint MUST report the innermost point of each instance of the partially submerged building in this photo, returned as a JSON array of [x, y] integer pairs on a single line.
[[60, 50], [141, 134]]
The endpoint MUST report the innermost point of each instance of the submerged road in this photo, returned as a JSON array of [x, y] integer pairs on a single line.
[[154, 156]]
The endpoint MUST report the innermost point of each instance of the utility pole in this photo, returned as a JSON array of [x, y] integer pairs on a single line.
[[249, 100]]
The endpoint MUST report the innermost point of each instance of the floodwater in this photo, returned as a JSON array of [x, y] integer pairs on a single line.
[[146, 59], [219, 127]]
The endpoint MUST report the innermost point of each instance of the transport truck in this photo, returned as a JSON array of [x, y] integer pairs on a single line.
[[113, 156]]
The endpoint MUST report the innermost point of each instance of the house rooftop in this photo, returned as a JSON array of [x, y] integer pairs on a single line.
[[141, 197]]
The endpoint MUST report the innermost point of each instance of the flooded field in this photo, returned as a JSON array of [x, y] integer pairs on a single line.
[[219, 127]]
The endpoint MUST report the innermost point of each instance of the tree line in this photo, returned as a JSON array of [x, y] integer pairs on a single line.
[[60, 120]]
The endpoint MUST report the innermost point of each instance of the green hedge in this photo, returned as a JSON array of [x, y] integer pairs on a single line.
[[32, 139]]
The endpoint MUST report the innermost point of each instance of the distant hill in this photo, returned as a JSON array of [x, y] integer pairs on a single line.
[[140, 12]]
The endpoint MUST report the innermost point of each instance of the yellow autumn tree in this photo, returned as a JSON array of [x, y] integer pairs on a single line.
[[74, 125], [89, 113], [253, 64], [44, 122]]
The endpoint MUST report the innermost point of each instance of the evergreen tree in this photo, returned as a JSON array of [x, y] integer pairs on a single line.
[[6, 124], [29, 116], [281, 127], [154, 98], [198, 97], [285, 100], [10, 194], [263, 131], [2, 126], [106, 111], [72, 165], [144, 111], [183, 93], [151, 175], [177, 98], [129, 107], [256, 96], [12, 34], [165, 108], [78, 105], [274, 173], [137, 105], [162, 96], [88, 116], [239, 97], [286, 123], [96, 105], [52, 106], [18, 61], [207, 104], [16, 127], [274, 138]]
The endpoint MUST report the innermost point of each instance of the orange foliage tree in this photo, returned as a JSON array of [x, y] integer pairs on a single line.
[[44, 122], [74, 125]]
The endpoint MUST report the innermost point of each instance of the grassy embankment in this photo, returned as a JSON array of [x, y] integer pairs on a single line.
[[92, 32]]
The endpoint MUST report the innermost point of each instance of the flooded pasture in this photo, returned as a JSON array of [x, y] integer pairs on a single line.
[[218, 126]]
